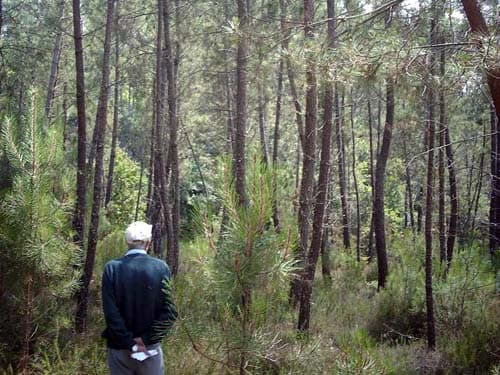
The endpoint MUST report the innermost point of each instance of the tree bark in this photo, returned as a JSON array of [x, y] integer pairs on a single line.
[[429, 299], [65, 115], [241, 103], [173, 233], [81, 174], [305, 203], [372, 179], [378, 204], [100, 129], [263, 125], [56, 54], [346, 236], [479, 183], [322, 186], [441, 156], [409, 188], [478, 26], [355, 181], [116, 106], [308, 159], [276, 214], [453, 220]]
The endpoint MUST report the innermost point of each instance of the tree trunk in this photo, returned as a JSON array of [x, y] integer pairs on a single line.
[[116, 106], [27, 327], [355, 181], [81, 176], [241, 103], [100, 129], [303, 290], [342, 174], [1, 18], [173, 233], [239, 153], [478, 26], [441, 156], [263, 125], [308, 159], [409, 188], [276, 215], [452, 228], [56, 54], [65, 115], [479, 184], [160, 196], [372, 179], [378, 204], [149, 194], [429, 299]]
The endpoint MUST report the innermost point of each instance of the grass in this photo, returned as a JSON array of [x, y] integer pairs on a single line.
[[346, 317]]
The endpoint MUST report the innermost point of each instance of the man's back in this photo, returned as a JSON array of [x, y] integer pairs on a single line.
[[134, 301]]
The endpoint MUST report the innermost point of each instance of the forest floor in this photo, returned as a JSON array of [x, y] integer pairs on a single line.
[[354, 329]]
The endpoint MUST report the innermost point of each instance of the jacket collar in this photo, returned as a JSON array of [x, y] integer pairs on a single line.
[[136, 251]]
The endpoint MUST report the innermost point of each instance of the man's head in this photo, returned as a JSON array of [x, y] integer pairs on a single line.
[[138, 235]]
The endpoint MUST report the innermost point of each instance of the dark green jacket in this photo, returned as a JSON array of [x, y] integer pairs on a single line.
[[136, 300]]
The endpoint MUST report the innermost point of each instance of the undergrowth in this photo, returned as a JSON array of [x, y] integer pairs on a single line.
[[355, 329]]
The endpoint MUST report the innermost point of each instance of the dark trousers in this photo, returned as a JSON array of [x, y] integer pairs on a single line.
[[120, 363]]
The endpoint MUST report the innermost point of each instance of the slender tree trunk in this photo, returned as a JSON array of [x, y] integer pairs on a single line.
[[160, 196], [101, 118], [291, 76], [27, 326], [1, 18], [308, 159], [372, 180], [238, 169], [56, 54], [309, 259], [452, 228], [478, 26], [494, 166], [81, 176], [150, 192], [263, 125], [173, 123], [230, 134], [241, 103], [342, 171], [276, 215], [409, 188], [378, 204], [441, 156], [139, 191], [65, 115], [116, 106], [429, 299], [355, 181], [479, 184]]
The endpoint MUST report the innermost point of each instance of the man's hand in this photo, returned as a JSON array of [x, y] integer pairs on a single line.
[[140, 345]]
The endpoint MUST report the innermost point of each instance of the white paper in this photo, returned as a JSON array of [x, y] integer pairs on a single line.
[[141, 356]]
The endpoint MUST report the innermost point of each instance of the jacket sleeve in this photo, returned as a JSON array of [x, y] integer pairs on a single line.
[[116, 330], [166, 316]]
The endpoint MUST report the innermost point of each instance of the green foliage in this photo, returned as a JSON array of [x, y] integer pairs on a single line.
[[249, 257], [467, 311], [400, 312], [37, 257], [121, 209]]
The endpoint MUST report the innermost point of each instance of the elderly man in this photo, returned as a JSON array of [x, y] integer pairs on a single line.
[[137, 305]]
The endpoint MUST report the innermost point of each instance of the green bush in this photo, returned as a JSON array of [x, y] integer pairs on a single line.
[[399, 314], [37, 260]]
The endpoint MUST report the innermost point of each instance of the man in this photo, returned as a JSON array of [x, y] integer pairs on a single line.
[[137, 305]]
